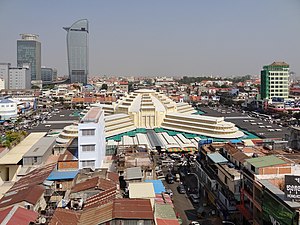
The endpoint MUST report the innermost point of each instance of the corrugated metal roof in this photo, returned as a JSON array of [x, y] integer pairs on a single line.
[[167, 221], [133, 173], [17, 215], [62, 175], [141, 190], [133, 209], [217, 157], [97, 215], [64, 217], [158, 186], [15, 155], [265, 161], [164, 211]]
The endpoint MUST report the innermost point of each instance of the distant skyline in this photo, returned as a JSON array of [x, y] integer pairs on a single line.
[[170, 37]]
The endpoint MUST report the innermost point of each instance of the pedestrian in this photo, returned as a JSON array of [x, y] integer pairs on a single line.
[[171, 195]]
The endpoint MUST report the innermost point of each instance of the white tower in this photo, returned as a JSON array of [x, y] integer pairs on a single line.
[[91, 139]]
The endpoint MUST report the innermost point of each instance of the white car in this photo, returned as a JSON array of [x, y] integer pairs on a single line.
[[195, 223]]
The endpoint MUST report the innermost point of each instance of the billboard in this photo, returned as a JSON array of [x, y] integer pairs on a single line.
[[275, 212], [292, 187]]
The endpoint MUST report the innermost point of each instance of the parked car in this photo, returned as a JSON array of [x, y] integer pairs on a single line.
[[195, 198], [181, 189], [170, 178]]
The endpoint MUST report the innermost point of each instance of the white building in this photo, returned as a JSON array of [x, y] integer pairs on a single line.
[[91, 139], [4, 73], [2, 84], [19, 78], [8, 109]]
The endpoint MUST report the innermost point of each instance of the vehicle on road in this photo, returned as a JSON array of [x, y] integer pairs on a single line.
[[195, 198], [169, 178], [194, 223], [180, 189]]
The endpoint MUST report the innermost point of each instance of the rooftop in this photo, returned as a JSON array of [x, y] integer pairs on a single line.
[[16, 154], [141, 190], [133, 209], [133, 173], [217, 158], [265, 161], [62, 175], [92, 115], [17, 215], [39, 148]]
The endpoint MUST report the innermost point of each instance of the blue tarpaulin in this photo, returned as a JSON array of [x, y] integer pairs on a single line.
[[158, 186], [62, 175]]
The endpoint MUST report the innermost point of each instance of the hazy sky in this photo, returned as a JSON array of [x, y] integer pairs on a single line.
[[160, 37]]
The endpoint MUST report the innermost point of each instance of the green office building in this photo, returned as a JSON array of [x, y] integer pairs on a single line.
[[275, 81]]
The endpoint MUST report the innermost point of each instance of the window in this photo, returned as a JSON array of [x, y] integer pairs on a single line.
[[87, 163], [252, 168], [88, 148], [226, 180], [88, 132]]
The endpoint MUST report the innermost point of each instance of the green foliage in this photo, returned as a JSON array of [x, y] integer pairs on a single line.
[[188, 80], [104, 87]]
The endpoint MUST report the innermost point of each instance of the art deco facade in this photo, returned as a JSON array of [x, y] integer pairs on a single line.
[[77, 50]]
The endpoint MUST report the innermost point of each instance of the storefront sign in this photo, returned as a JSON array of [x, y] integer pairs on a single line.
[[292, 187]]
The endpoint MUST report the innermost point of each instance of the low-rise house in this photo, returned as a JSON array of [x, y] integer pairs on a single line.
[[28, 192], [11, 162], [39, 152]]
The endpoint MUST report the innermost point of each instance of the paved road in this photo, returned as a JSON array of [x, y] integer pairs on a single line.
[[57, 121], [240, 119], [182, 204]]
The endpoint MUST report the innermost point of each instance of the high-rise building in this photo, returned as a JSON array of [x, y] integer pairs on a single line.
[[91, 139], [48, 74], [77, 48], [4, 73], [29, 51], [275, 81]]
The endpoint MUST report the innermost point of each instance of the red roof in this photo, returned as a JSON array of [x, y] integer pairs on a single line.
[[64, 217], [95, 183], [166, 222], [133, 209], [28, 188], [17, 215]]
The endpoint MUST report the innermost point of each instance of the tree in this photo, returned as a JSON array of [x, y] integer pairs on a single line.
[[104, 87]]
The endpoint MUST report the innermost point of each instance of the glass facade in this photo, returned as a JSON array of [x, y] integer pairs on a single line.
[[29, 52], [47, 74], [77, 47]]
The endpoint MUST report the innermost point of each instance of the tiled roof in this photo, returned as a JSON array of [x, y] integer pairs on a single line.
[[17, 215], [132, 209], [64, 217]]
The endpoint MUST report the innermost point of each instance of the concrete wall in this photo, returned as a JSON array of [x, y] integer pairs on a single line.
[[98, 140], [9, 172]]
